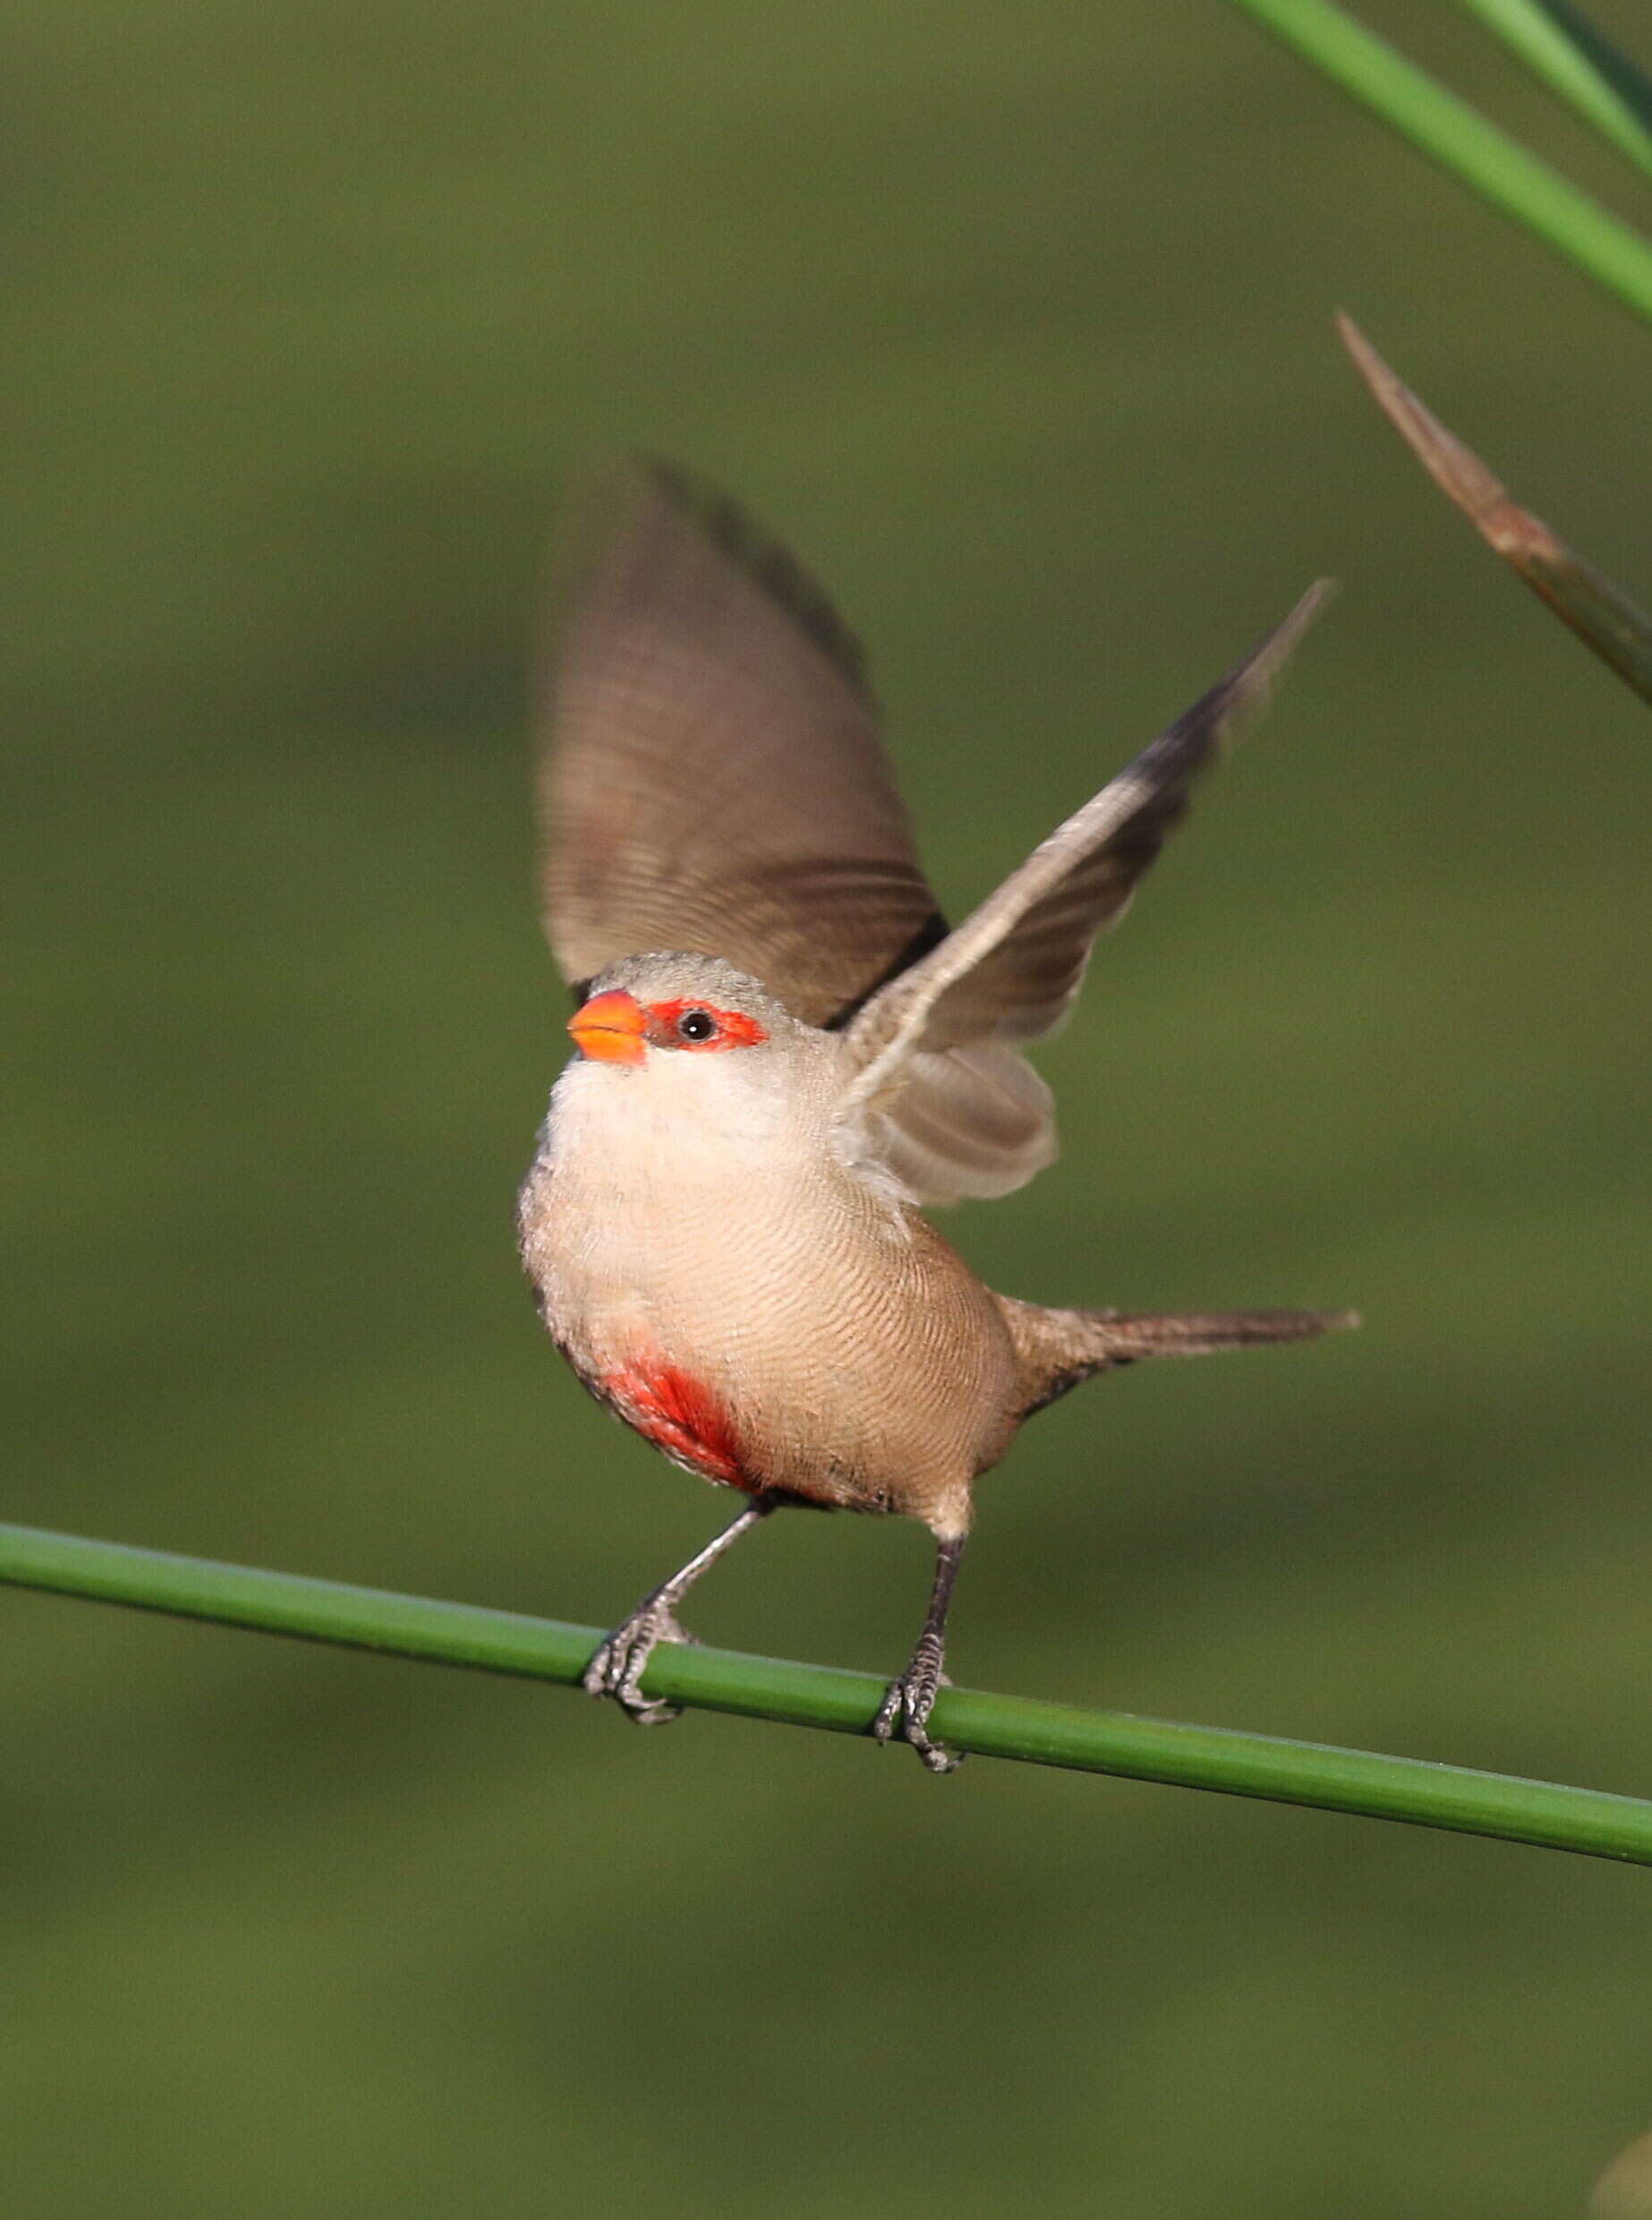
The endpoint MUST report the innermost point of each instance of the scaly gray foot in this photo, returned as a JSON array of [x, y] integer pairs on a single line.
[[617, 1667], [905, 1711]]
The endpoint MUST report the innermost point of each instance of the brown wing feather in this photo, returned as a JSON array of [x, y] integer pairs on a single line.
[[1013, 965], [967, 1123], [712, 778], [1030, 981]]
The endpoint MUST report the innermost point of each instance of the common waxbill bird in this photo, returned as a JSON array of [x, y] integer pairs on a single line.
[[782, 1052]]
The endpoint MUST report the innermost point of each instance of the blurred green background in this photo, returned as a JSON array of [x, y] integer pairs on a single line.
[[1015, 323]]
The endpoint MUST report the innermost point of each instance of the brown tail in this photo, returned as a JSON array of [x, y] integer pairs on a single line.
[[1059, 1348], [1201, 1334]]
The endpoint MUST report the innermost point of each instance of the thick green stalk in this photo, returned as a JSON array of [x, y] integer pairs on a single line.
[[1462, 140], [1585, 1820], [1573, 60]]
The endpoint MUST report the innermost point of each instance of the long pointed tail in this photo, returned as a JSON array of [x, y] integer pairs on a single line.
[[1122, 1338], [1058, 1349]]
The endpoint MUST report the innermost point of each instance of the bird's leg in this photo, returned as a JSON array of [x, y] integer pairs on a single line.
[[906, 1709], [617, 1667]]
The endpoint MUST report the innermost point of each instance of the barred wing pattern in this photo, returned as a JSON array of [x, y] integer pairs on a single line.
[[712, 778], [1011, 970]]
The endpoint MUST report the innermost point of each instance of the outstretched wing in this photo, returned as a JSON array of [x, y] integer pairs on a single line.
[[1010, 970], [711, 777]]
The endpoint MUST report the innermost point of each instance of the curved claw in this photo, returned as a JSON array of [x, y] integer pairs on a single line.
[[906, 1709], [617, 1667]]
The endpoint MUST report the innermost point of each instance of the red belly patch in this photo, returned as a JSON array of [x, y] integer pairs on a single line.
[[679, 1415]]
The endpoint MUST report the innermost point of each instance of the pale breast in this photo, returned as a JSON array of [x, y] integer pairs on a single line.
[[744, 1299]]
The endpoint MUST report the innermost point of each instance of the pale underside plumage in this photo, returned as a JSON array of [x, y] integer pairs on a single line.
[[713, 782]]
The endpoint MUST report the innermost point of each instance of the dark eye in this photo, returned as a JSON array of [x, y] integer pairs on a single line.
[[697, 1025]]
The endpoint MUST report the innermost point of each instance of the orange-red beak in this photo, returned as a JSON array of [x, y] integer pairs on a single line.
[[610, 1028]]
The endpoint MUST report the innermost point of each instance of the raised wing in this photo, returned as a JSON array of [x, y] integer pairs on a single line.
[[1010, 970], [710, 776]]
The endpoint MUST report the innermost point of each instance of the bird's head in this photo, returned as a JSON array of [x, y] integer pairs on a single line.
[[682, 1061], [648, 1008]]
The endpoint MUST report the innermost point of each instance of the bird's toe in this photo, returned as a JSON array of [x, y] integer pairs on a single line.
[[616, 1669], [905, 1712]]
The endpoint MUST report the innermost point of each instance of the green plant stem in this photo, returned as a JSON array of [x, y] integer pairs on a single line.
[[1603, 617], [1463, 141], [1584, 1820], [1572, 59]]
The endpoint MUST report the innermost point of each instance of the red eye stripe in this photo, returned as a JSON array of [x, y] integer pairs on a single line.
[[733, 1030]]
